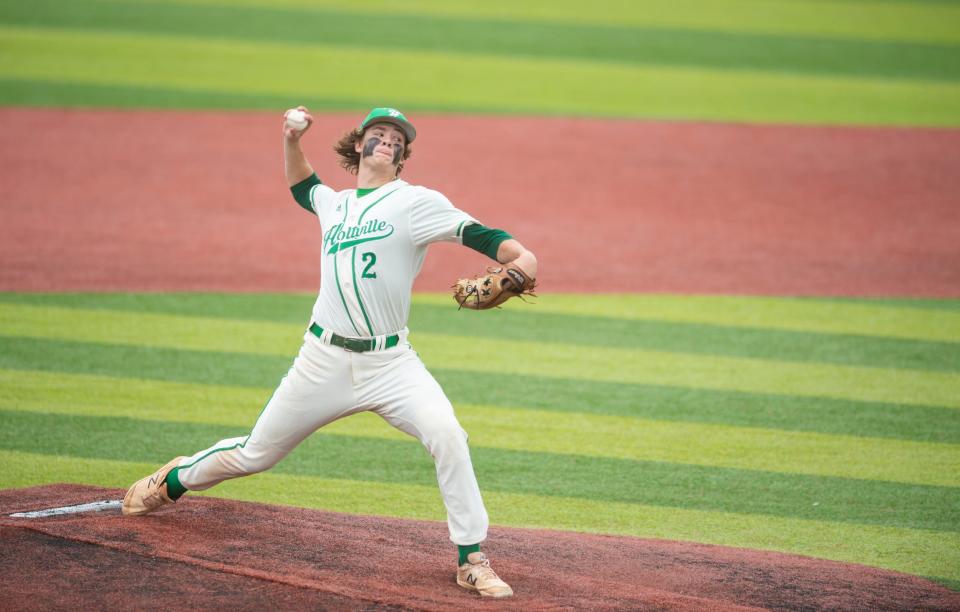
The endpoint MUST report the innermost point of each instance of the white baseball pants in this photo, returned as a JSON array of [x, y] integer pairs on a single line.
[[326, 383]]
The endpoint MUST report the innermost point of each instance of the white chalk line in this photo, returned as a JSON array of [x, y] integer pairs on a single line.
[[97, 506]]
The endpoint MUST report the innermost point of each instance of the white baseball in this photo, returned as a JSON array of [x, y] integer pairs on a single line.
[[296, 119]]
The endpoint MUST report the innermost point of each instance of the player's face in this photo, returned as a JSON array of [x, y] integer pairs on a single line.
[[383, 143]]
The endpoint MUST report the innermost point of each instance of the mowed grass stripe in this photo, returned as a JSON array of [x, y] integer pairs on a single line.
[[596, 478], [695, 371], [934, 424], [294, 308], [516, 357], [498, 84], [60, 93], [930, 553], [513, 429], [925, 303], [525, 39], [208, 367], [852, 317], [531, 324], [153, 330], [867, 419], [909, 21], [879, 318], [920, 320]]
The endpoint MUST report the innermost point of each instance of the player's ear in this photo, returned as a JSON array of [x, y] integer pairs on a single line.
[[358, 142]]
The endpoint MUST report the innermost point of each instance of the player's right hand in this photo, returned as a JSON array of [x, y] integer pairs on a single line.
[[291, 133]]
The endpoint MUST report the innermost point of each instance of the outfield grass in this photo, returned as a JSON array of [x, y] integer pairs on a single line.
[[778, 61], [821, 427]]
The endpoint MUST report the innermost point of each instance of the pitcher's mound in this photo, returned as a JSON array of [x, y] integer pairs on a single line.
[[215, 553]]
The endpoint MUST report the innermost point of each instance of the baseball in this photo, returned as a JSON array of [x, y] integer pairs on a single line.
[[296, 119]]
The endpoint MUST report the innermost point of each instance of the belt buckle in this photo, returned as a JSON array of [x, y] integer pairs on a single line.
[[354, 345]]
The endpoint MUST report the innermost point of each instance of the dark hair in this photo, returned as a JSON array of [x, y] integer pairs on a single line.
[[346, 149]]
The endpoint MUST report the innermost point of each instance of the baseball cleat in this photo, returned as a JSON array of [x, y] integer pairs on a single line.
[[477, 575], [150, 493]]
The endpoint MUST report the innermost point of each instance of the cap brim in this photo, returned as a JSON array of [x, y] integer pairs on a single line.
[[408, 130]]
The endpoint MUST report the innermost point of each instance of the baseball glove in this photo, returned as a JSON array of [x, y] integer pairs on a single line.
[[489, 290]]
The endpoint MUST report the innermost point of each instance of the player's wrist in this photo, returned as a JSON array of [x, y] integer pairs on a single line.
[[527, 262]]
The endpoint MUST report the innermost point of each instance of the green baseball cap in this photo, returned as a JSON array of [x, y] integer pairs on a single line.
[[390, 115]]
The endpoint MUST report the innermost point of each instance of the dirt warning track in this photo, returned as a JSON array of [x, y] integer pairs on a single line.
[[207, 552], [136, 200]]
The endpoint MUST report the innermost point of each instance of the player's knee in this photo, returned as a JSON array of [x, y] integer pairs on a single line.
[[447, 440], [265, 462], [257, 458]]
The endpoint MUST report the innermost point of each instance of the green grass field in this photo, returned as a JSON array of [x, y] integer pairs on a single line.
[[822, 427], [892, 62]]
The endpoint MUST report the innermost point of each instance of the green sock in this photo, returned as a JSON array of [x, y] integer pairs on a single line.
[[466, 550], [174, 488]]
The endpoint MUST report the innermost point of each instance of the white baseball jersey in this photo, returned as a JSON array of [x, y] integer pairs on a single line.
[[373, 249]]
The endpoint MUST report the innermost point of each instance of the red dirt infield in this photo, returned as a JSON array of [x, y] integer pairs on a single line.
[[137, 200], [206, 553]]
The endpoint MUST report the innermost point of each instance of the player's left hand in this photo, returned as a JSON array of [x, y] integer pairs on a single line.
[[492, 289]]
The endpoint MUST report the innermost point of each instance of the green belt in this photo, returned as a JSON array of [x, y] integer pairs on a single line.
[[354, 345]]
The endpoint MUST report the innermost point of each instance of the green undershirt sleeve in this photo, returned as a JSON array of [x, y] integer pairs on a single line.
[[301, 191], [483, 239]]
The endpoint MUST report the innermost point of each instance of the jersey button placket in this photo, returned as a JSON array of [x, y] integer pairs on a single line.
[[345, 262], [352, 219], [348, 253], [345, 255]]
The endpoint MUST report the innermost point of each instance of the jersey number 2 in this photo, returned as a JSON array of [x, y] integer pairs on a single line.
[[371, 259]]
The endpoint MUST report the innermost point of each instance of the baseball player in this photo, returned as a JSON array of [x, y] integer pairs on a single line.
[[355, 355]]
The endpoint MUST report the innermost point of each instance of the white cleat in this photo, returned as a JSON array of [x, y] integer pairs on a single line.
[[150, 493], [477, 575]]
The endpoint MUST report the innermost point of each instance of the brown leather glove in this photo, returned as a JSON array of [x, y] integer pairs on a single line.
[[489, 290]]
